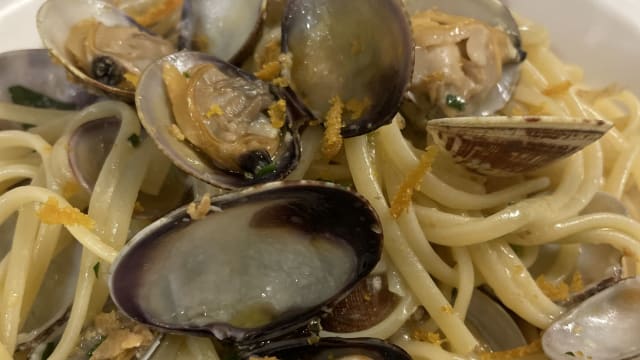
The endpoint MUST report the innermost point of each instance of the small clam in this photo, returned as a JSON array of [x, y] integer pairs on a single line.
[[504, 146], [217, 122], [99, 44], [603, 327], [467, 58], [261, 263], [492, 325], [225, 29], [89, 146], [352, 52], [331, 348], [31, 78]]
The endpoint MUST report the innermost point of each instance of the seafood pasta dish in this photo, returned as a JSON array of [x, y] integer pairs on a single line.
[[312, 179]]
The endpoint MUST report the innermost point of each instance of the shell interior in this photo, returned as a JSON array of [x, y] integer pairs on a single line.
[[505, 146], [222, 28], [262, 261], [605, 326], [352, 50], [156, 115]]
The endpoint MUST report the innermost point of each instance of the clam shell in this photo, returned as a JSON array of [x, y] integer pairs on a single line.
[[332, 348], [229, 27], [505, 146], [156, 115], [263, 262], [351, 49], [603, 327]]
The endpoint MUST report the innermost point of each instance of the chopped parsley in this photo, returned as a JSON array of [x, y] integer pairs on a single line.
[[186, 74], [48, 350], [134, 140], [21, 95], [265, 170], [455, 102], [97, 345], [96, 269]]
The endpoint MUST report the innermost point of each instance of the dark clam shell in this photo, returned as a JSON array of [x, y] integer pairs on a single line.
[[333, 348], [357, 50], [262, 263], [156, 115]]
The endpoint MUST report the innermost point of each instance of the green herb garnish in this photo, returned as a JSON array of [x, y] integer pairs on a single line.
[[93, 349], [24, 96], [48, 350], [570, 353], [455, 102], [96, 269], [134, 140], [186, 74], [265, 169]]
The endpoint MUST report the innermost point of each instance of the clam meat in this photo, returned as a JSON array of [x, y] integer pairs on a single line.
[[262, 262], [352, 56], [217, 122], [466, 58], [99, 44], [509, 145]]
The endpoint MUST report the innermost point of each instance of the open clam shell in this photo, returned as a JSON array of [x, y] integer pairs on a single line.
[[491, 12], [509, 145], [56, 22], [332, 348], [225, 29], [355, 50], [605, 326], [263, 262], [158, 118], [25, 71]]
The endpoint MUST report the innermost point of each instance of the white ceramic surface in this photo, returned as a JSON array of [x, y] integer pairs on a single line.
[[600, 35]]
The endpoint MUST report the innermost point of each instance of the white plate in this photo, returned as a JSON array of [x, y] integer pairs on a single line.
[[600, 35]]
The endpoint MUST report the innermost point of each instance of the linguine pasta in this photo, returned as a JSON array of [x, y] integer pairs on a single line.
[[459, 231]]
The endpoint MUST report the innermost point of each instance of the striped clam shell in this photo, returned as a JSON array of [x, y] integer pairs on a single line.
[[510, 145]]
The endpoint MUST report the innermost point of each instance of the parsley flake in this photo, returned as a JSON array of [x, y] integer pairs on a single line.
[[134, 140], [186, 74], [265, 170], [21, 95], [96, 269], [455, 102]]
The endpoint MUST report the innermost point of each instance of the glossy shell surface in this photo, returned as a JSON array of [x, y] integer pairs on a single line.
[[353, 50], [603, 327], [505, 146], [156, 115], [264, 261]]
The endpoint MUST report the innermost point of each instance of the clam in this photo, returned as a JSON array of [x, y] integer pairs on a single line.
[[217, 122], [354, 53], [89, 146], [467, 58], [509, 145], [31, 78], [263, 262], [603, 327], [162, 17], [98, 44], [226, 29]]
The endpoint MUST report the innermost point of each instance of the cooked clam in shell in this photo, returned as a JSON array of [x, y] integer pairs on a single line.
[[99, 44], [263, 261], [508, 145], [217, 122]]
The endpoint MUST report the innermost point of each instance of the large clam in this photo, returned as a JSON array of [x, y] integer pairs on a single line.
[[508, 145], [99, 44], [217, 122], [262, 263], [603, 327], [355, 53], [466, 58]]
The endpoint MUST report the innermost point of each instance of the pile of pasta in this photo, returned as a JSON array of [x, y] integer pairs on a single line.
[[455, 230]]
